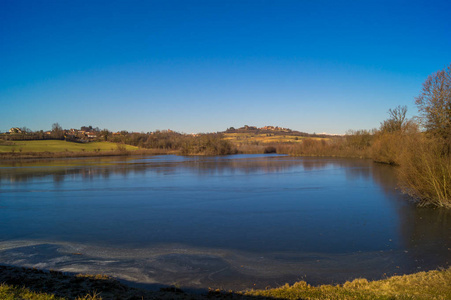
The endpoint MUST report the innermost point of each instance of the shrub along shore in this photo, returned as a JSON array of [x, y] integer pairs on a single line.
[[25, 283]]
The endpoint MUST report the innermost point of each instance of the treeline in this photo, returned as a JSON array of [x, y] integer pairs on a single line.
[[27, 135], [167, 141], [199, 144]]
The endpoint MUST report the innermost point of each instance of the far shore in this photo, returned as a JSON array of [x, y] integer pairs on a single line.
[[69, 154]]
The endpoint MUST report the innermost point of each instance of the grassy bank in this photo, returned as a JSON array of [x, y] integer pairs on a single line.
[[54, 146], [62, 149], [423, 285], [23, 283]]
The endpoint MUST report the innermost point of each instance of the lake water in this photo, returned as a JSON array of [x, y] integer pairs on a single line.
[[233, 222]]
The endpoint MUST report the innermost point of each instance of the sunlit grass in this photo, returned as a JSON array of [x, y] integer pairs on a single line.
[[59, 146], [8, 292], [423, 285]]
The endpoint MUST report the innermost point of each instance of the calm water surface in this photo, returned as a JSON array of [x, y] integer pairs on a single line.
[[236, 222]]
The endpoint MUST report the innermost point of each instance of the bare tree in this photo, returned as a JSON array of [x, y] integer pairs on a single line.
[[434, 104], [26, 130], [396, 121], [57, 131]]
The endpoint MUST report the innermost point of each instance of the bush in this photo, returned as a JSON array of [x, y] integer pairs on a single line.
[[388, 146], [425, 171], [206, 144], [360, 139], [270, 149]]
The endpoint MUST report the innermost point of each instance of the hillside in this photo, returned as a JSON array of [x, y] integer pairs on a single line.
[[272, 130]]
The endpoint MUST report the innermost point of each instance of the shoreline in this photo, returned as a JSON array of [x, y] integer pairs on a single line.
[[15, 280], [59, 155], [5, 157]]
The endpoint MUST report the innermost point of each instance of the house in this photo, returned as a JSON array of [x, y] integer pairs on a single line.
[[73, 131], [15, 130], [247, 127]]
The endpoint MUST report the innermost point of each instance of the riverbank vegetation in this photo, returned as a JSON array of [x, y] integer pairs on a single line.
[[24, 283]]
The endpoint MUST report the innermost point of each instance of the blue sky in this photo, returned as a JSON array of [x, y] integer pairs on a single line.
[[203, 66]]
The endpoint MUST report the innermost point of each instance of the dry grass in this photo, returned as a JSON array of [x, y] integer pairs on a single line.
[[423, 285]]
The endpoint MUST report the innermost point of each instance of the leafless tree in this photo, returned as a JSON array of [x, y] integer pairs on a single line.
[[57, 131], [396, 121], [434, 104]]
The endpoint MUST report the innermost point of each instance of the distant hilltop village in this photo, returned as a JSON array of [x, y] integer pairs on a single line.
[[264, 128], [272, 130]]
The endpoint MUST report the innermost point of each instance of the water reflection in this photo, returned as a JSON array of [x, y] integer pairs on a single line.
[[294, 216], [422, 228], [205, 166]]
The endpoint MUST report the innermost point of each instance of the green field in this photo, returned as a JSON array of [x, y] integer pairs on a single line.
[[59, 146]]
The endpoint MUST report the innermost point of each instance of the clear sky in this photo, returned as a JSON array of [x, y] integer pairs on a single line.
[[204, 66]]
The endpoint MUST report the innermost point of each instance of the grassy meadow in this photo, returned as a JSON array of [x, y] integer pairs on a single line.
[[59, 146]]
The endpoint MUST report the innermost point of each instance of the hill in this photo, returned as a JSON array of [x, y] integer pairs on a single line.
[[272, 130]]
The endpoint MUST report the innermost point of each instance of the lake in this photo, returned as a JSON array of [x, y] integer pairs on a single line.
[[231, 222]]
